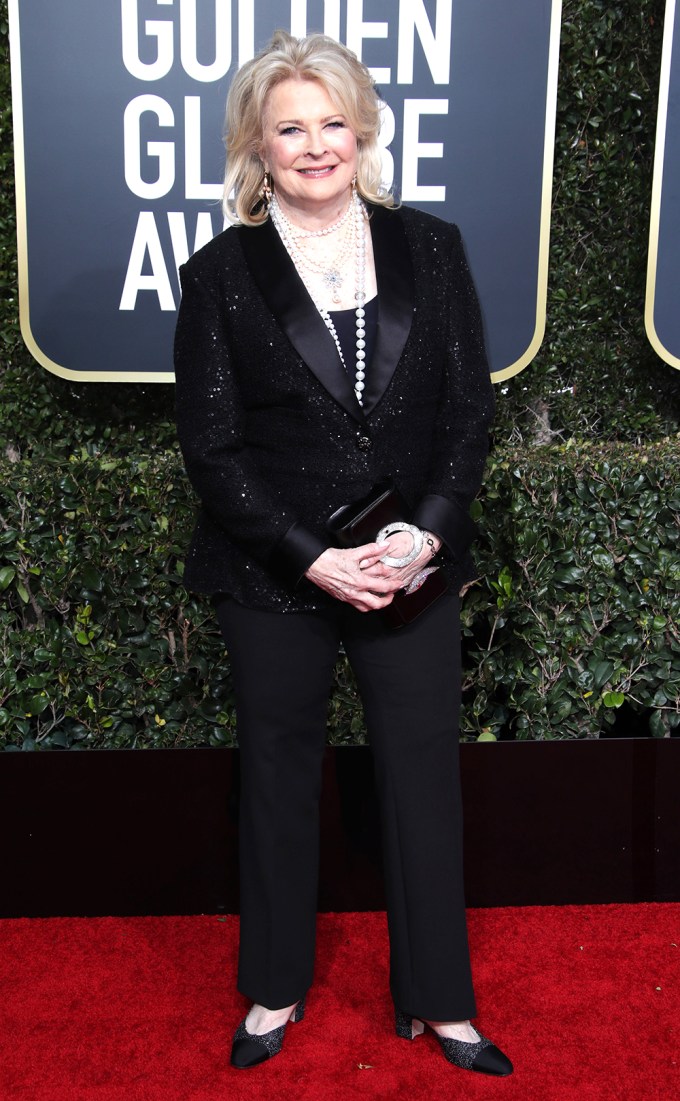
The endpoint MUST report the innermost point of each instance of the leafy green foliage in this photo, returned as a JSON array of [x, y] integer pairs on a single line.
[[575, 623], [596, 375], [99, 637], [575, 629]]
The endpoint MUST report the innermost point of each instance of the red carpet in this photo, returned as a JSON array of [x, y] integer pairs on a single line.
[[585, 1000]]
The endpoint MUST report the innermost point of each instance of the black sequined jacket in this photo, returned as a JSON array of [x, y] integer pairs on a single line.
[[272, 435]]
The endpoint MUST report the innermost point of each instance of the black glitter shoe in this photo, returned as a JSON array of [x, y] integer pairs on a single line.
[[248, 1050], [482, 1056]]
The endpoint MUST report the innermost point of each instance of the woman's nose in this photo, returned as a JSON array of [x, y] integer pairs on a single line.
[[316, 146]]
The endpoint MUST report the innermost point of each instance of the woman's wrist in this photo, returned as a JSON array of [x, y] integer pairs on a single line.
[[432, 541]]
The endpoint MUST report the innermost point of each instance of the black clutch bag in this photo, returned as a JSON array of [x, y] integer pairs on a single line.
[[358, 523]]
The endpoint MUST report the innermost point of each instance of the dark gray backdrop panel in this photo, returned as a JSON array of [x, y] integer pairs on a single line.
[[81, 216]]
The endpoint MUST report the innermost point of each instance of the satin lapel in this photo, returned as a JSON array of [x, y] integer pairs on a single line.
[[287, 298], [394, 271]]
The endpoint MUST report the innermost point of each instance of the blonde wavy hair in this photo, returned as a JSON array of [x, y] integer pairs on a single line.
[[348, 83]]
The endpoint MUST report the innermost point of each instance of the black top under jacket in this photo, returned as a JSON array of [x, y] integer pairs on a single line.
[[272, 435]]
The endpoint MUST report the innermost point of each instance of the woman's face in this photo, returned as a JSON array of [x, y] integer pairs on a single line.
[[308, 149]]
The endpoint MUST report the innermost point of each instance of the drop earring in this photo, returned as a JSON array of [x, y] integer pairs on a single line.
[[265, 190]]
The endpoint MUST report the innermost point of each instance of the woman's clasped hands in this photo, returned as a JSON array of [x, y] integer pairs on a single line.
[[358, 577]]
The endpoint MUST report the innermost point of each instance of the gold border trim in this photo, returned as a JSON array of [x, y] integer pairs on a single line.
[[657, 187], [155, 376], [546, 200]]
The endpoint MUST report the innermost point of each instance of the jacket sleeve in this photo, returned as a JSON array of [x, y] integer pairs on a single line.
[[211, 429], [461, 439]]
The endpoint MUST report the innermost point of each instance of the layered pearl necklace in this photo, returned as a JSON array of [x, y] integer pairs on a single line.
[[331, 275]]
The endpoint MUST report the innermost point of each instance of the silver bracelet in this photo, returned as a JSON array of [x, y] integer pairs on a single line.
[[392, 529], [429, 539]]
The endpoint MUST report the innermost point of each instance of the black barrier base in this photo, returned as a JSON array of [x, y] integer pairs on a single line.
[[154, 832]]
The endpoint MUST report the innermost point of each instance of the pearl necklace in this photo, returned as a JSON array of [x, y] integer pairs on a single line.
[[287, 235], [301, 233], [330, 268]]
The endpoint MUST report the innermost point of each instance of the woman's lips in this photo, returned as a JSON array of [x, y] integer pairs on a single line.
[[314, 172]]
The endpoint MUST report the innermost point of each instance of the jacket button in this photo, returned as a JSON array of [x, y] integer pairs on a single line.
[[364, 443]]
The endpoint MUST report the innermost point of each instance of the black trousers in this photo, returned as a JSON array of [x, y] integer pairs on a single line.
[[409, 682]]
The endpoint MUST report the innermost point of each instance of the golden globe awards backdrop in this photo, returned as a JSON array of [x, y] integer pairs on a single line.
[[118, 110], [662, 308]]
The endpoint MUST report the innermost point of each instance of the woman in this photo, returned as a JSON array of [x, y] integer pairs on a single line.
[[326, 342]]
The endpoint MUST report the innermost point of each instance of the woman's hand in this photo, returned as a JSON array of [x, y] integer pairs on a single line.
[[355, 575], [358, 577], [399, 545]]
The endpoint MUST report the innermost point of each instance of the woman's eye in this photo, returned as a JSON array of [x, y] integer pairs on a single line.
[[289, 130], [337, 125]]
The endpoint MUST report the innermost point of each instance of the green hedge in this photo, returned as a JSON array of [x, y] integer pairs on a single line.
[[580, 551], [596, 375], [574, 624]]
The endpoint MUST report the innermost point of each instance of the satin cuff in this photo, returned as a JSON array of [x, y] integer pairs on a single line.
[[295, 553], [446, 519]]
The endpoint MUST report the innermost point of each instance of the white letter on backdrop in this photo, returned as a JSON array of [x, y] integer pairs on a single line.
[[331, 18], [357, 30], [189, 46], [160, 29], [163, 150], [193, 187], [178, 234], [246, 31], [414, 150], [436, 45], [385, 138], [146, 242]]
